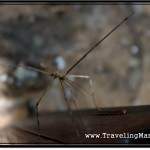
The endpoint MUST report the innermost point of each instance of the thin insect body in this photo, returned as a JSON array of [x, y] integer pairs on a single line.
[[56, 74], [64, 77]]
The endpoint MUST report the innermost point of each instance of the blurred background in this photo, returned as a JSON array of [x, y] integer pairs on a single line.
[[56, 36]]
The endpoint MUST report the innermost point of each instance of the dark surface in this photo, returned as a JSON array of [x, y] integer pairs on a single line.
[[57, 128]]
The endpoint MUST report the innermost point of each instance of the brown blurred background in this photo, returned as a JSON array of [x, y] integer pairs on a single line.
[[57, 36]]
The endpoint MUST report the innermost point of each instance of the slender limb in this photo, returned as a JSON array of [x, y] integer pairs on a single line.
[[91, 84], [37, 112], [101, 40], [77, 86], [74, 99], [73, 84], [70, 112], [37, 104], [26, 67], [36, 134], [68, 82]]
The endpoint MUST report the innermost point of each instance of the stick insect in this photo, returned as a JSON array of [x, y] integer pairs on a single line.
[[65, 77]]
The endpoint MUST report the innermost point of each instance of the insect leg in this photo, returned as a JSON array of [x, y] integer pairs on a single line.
[[26, 67], [70, 84], [38, 102], [74, 99], [91, 85], [70, 112]]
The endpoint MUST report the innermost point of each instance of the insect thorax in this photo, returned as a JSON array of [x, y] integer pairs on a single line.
[[56, 74]]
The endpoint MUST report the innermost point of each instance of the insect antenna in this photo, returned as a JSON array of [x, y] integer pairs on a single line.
[[101, 40]]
